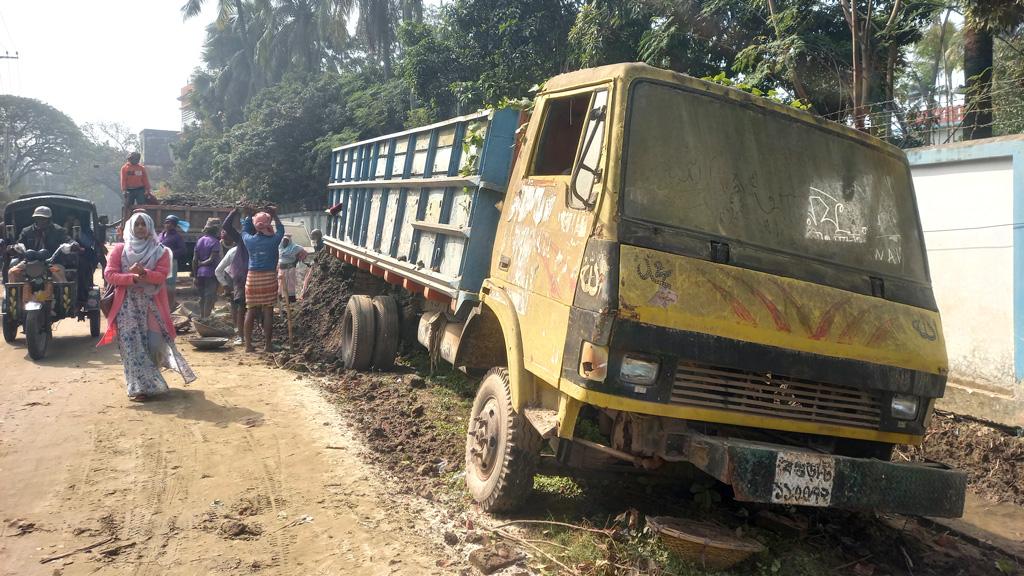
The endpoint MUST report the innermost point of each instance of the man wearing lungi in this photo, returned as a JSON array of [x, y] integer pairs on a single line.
[[261, 239]]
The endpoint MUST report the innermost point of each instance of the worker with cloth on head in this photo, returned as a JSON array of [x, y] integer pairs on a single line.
[[42, 234], [134, 181], [262, 239], [205, 257]]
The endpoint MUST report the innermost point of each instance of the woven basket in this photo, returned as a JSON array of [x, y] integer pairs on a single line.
[[708, 545]]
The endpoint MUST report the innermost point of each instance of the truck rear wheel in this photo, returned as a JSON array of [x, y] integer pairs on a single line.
[[502, 448], [358, 333], [388, 337]]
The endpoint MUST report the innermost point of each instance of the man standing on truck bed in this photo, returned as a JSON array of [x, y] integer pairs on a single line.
[[261, 240], [134, 181]]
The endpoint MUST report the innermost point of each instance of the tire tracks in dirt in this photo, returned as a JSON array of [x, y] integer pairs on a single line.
[[245, 443]]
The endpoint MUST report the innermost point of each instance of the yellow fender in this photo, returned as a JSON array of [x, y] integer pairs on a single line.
[[521, 381]]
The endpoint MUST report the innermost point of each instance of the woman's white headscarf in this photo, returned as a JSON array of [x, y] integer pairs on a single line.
[[146, 251], [288, 251]]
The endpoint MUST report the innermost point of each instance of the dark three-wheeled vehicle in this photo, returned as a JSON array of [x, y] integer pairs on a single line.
[[39, 301]]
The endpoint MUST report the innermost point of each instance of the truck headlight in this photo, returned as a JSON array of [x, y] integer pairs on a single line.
[[637, 370], [904, 407]]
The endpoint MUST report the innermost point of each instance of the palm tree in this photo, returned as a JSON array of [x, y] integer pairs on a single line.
[[378, 25], [984, 20], [231, 76], [307, 36]]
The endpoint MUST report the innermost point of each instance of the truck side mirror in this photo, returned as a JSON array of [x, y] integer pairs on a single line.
[[588, 171]]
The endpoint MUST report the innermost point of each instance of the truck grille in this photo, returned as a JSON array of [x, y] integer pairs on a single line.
[[774, 395]]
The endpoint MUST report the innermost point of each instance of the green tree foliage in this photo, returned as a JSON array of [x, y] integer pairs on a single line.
[[1008, 85], [37, 139], [609, 31], [280, 152], [378, 25], [481, 51], [984, 21], [285, 81], [231, 75]]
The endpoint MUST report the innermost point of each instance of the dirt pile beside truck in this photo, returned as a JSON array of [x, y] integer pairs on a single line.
[[992, 456]]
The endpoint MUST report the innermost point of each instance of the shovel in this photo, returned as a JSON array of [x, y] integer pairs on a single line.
[[282, 289]]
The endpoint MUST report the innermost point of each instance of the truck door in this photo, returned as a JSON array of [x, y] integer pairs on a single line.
[[547, 217]]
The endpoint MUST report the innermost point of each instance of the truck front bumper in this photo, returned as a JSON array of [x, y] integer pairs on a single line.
[[778, 474]]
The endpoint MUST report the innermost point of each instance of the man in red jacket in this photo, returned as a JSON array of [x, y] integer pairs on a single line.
[[134, 181]]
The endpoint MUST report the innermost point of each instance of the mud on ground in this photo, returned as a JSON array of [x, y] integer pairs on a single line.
[[414, 423], [992, 456]]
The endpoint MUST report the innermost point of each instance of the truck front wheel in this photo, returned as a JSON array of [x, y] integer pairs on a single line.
[[502, 447]]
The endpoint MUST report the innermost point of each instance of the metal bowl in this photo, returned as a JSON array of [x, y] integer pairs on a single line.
[[207, 343], [209, 331]]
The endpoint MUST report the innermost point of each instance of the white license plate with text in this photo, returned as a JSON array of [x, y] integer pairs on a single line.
[[803, 479]]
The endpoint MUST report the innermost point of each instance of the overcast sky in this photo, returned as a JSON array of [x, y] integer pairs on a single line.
[[102, 60]]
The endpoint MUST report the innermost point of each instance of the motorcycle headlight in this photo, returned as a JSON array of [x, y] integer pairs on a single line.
[[636, 370], [904, 407]]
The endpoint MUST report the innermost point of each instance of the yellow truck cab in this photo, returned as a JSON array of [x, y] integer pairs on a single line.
[[703, 276]]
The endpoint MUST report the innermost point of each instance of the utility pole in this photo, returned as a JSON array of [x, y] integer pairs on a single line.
[[5, 153]]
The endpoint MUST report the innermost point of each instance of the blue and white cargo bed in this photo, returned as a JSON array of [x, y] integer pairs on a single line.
[[420, 208]]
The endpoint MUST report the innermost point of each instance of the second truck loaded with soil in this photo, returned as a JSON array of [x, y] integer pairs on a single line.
[[653, 272]]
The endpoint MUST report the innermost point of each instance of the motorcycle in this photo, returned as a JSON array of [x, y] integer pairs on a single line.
[[38, 301]]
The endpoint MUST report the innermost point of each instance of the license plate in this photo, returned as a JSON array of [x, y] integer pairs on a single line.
[[803, 479]]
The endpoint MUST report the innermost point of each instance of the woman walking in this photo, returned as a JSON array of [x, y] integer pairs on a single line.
[[139, 317]]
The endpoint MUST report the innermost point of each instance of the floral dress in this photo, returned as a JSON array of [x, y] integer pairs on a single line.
[[146, 347]]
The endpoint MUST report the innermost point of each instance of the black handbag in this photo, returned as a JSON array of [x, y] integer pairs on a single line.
[[107, 300]]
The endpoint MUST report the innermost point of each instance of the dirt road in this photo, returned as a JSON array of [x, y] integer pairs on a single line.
[[231, 475]]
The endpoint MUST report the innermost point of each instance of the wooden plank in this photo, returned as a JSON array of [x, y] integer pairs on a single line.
[[451, 263], [405, 235], [425, 182], [446, 229]]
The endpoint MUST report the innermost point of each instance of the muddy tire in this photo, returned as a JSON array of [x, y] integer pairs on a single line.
[[94, 323], [388, 337], [10, 328], [37, 333], [502, 448], [358, 333]]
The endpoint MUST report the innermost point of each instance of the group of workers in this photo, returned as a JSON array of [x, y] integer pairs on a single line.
[[248, 266]]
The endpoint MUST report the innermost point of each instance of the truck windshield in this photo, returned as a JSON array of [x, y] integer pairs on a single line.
[[697, 163]]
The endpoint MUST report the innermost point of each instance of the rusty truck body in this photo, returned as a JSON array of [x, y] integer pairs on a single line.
[[704, 276]]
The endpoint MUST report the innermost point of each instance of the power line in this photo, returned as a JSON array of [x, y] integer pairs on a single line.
[[1013, 224], [970, 248], [3, 23]]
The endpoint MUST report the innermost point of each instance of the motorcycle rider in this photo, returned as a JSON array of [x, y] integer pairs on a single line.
[[41, 235]]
